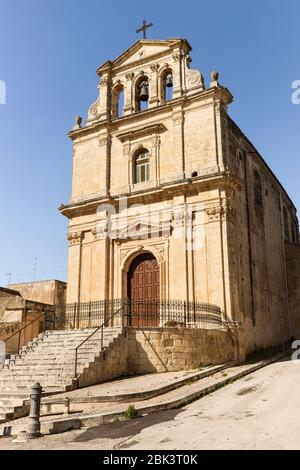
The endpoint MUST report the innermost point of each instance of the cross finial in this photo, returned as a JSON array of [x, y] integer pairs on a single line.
[[144, 28]]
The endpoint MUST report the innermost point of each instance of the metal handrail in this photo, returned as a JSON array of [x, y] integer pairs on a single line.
[[101, 327]]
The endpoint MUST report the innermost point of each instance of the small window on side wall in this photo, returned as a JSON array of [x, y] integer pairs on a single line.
[[141, 166]]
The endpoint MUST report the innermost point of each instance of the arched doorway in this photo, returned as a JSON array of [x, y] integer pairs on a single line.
[[143, 289]]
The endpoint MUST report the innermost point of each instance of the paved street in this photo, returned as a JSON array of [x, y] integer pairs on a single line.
[[261, 411]]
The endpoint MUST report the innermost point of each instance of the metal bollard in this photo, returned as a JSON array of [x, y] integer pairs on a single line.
[[33, 422], [67, 406]]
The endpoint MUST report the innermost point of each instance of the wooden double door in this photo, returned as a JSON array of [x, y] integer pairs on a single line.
[[144, 291]]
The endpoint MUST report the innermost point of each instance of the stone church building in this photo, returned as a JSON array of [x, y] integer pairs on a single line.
[[171, 201]]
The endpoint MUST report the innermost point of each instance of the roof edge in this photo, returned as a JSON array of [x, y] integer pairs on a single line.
[[169, 41], [264, 162]]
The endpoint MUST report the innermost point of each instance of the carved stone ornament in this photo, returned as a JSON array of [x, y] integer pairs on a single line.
[[104, 82], [103, 141], [78, 122], [154, 67], [195, 79], [94, 110], [178, 218], [214, 76], [100, 232], [177, 119], [129, 76], [74, 238], [224, 213]]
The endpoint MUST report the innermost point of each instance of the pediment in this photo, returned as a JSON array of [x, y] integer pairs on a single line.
[[142, 50], [135, 133], [140, 228]]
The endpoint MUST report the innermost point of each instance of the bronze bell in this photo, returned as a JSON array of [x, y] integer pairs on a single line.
[[169, 80], [144, 93]]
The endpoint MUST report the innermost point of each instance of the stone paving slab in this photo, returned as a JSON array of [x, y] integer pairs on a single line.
[[108, 412], [135, 388], [129, 385]]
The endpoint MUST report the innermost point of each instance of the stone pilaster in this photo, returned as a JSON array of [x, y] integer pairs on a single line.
[[153, 80], [129, 98]]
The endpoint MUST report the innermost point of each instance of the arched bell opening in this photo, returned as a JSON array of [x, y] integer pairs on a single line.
[[118, 99], [142, 93], [167, 85]]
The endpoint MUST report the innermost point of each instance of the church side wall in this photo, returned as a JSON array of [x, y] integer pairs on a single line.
[[257, 257], [293, 271]]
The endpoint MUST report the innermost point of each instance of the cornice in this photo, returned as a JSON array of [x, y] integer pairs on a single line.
[[187, 186], [116, 64], [141, 131]]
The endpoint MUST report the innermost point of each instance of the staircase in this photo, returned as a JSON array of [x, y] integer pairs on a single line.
[[49, 360]]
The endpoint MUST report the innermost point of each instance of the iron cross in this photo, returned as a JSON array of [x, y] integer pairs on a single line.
[[144, 28]]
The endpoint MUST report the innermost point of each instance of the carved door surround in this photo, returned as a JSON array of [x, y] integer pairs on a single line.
[[128, 251], [143, 289]]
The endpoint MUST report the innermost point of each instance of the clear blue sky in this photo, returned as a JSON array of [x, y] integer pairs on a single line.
[[49, 52]]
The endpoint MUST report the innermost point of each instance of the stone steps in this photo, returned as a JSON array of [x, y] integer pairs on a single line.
[[49, 360]]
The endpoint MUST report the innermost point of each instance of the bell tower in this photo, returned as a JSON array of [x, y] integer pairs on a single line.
[[145, 72]]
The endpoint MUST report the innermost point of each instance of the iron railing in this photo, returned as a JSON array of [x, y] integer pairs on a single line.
[[140, 313], [118, 313], [86, 314], [168, 313]]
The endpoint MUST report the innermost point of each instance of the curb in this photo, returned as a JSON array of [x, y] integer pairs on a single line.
[[139, 396]]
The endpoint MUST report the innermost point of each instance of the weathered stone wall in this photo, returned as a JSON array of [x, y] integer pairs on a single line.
[[111, 363], [256, 248], [293, 274], [156, 350], [11, 306], [15, 310], [47, 292], [169, 350]]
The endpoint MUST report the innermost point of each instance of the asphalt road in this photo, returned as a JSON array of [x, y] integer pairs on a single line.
[[261, 411]]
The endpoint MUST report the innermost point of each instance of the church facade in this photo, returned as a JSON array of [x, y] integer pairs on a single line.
[[171, 201]]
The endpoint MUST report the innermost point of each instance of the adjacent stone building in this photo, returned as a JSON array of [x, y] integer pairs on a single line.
[[28, 303], [51, 292], [170, 200]]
